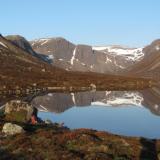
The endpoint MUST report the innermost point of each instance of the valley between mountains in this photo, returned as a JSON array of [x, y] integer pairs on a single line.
[[59, 65], [32, 71]]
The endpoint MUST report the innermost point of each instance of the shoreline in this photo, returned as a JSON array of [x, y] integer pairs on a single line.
[[57, 142]]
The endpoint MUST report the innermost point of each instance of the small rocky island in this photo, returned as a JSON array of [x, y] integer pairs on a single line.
[[25, 136]]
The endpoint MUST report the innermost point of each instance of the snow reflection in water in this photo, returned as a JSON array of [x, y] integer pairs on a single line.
[[120, 112]]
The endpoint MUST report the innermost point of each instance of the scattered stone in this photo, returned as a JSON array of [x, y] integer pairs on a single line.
[[61, 124], [4, 87], [12, 129], [34, 84], [93, 87], [43, 70], [158, 156], [48, 121], [124, 142]]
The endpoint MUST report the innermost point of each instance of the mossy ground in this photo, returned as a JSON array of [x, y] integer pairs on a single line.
[[52, 142]]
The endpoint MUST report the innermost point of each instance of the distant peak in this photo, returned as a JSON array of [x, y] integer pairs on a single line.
[[15, 38], [156, 42], [47, 39]]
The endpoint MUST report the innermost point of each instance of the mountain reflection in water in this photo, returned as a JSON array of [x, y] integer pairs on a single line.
[[134, 113], [130, 113], [60, 102]]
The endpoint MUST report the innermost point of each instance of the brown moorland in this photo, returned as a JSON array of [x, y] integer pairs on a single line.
[[20, 70], [55, 143]]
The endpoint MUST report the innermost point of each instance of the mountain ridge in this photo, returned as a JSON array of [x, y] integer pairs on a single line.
[[82, 57], [112, 59], [20, 71]]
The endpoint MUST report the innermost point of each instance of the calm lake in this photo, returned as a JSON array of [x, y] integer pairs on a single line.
[[130, 113]]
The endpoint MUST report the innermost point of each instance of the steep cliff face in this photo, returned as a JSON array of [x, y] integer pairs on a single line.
[[21, 42], [108, 59], [59, 48]]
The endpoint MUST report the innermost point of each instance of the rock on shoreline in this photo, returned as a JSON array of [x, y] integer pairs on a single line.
[[17, 110], [12, 129]]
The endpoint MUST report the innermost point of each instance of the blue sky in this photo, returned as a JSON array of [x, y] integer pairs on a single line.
[[95, 22]]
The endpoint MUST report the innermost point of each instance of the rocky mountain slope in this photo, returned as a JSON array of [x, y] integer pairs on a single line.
[[117, 60], [21, 70], [25, 45], [149, 66], [109, 59]]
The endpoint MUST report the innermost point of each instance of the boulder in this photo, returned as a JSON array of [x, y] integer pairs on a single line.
[[12, 129], [47, 121], [19, 111]]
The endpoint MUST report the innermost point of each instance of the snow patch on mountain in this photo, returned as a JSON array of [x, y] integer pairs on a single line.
[[3, 45], [118, 65], [73, 56], [130, 53], [99, 48], [42, 41], [108, 60]]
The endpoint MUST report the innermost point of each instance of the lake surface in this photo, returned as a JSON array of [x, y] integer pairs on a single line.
[[130, 113], [127, 120]]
